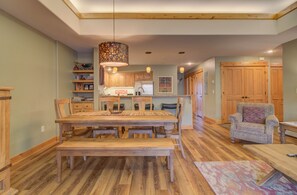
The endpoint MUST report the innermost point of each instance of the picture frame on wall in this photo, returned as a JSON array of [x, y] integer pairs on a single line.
[[165, 84]]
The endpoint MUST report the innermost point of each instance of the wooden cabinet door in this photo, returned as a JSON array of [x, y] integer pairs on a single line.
[[129, 79], [200, 94], [106, 79], [255, 84], [276, 88], [143, 76], [232, 90]]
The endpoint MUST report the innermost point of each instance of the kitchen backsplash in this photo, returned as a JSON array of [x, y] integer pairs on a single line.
[[119, 91]]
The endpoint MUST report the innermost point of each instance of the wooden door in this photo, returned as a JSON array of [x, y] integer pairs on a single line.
[[242, 82], [199, 101], [232, 90], [276, 88], [255, 84]]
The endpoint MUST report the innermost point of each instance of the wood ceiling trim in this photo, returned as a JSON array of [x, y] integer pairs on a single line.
[[187, 16], [286, 11]]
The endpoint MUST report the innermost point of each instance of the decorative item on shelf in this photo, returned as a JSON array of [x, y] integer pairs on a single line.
[[181, 69], [148, 69], [76, 67], [113, 53]]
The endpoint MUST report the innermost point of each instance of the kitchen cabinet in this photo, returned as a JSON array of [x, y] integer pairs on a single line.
[[82, 107], [120, 79], [143, 76]]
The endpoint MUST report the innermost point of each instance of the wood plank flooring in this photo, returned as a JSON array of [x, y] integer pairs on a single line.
[[133, 175]]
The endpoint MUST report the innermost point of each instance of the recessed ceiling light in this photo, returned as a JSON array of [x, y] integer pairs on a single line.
[[269, 51], [190, 63], [148, 52], [181, 52]]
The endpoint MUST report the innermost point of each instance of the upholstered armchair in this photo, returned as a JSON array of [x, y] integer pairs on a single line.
[[253, 122]]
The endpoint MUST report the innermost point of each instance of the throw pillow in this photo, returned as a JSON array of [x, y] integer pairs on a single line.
[[253, 114]]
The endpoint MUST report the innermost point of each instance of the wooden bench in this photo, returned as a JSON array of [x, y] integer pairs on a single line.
[[116, 147]]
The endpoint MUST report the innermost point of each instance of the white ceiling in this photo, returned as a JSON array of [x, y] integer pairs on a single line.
[[201, 39]]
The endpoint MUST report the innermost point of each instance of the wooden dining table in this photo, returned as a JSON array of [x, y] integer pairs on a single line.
[[154, 118]]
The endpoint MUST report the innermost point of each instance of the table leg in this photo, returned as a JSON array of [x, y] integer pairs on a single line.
[[270, 178], [282, 134], [59, 166], [171, 166], [168, 129], [68, 131]]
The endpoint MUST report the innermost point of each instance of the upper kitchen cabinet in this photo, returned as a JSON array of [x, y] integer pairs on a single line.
[[120, 79], [143, 76]]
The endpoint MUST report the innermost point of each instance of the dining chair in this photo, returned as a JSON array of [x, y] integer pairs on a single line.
[[177, 132], [141, 101], [169, 107], [108, 103], [63, 108]]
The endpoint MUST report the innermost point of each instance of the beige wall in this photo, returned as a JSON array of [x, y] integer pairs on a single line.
[[29, 62], [290, 80]]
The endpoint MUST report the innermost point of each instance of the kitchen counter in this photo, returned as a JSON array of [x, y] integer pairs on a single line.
[[154, 96]]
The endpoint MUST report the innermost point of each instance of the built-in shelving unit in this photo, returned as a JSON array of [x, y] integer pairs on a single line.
[[83, 82]]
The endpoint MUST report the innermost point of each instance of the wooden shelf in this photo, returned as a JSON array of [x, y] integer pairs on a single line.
[[83, 91], [83, 71], [82, 81]]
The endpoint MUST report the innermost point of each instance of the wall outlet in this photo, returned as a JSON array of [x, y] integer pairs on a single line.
[[42, 128]]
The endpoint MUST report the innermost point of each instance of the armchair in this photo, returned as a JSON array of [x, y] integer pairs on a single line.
[[253, 122]]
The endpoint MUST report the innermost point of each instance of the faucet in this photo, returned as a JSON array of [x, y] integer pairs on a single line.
[[140, 88]]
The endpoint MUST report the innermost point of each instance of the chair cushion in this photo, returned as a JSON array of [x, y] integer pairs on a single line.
[[253, 128], [254, 114]]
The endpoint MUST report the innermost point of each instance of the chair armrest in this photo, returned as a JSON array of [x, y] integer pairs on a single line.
[[271, 122], [235, 118]]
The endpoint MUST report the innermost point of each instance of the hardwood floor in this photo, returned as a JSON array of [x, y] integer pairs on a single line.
[[133, 175]]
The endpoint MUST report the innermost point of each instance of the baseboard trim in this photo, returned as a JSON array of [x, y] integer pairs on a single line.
[[187, 127], [35, 150]]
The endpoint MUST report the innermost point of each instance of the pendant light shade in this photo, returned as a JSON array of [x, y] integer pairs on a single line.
[[148, 69], [181, 70], [113, 54]]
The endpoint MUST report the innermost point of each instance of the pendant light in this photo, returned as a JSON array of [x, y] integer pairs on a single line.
[[181, 69], [148, 69], [113, 53]]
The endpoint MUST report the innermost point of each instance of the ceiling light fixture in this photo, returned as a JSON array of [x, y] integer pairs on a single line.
[[114, 70], [148, 69], [181, 69], [113, 53], [270, 51]]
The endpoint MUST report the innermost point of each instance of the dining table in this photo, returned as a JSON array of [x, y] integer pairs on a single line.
[[153, 118]]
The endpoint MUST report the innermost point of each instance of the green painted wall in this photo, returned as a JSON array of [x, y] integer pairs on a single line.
[[290, 80], [39, 70], [168, 70], [212, 71]]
